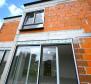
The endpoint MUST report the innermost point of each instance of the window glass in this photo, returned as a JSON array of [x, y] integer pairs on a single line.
[[48, 66], [25, 66], [29, 18], [4, 60], [1, 55], [34, 18], [33, 71], [39, 17], [56, 65], [67, 70]]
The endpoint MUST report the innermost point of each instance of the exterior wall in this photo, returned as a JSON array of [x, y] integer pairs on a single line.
[[83, 58], [67, 16], [73, 15], [7, 36], [8, 31]]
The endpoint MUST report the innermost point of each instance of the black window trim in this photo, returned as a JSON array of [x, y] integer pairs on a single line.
[[26, 16]]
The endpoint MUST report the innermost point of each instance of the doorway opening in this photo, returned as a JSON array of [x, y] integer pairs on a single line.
[[45, 64]]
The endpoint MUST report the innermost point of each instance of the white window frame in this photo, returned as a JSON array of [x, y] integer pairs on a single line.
[[2, 56], [57, 62]]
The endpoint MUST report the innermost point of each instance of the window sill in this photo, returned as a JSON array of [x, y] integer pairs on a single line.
[[32, 27]]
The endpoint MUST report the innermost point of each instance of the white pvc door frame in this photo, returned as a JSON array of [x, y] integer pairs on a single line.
[[74, 57], [57, 62], [57, 66]]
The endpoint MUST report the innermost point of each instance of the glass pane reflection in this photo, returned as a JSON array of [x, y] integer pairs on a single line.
[[33, 71], [39, 17], [21, 68], [67, 70], [4, 55], [1, 55], [29, 18], [48, 66]]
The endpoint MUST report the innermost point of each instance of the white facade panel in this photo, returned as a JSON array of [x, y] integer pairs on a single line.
[[67, 34], [6, 45]]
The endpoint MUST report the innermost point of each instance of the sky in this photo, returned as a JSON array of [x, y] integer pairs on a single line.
[[11, 8]]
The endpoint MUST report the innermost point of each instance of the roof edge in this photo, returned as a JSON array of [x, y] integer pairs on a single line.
[[12, 17], [36, 2]]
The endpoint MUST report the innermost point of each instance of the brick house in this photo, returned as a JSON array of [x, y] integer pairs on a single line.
[[52, 44], [7, 35]]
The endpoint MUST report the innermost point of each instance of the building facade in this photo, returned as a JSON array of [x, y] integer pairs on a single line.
[[7, 35], [51, 44]]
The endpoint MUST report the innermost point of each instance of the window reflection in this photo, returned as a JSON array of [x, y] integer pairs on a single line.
[[24, 69], [67, 71], [3, 58], [48, 66], [33, 68], [39, 17], [34, 20], [25, 66], [1, 55], [29, 18]]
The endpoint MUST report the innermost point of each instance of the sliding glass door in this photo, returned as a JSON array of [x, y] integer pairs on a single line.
[[48, 71], [24, 68], [43, 65], [67, 71]]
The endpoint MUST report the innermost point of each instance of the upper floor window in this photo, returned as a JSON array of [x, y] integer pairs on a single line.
[[34, 20]]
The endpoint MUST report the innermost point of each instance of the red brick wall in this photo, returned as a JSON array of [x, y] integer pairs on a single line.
[[8, 31], [72, 15], [66, 16], [83, 58]]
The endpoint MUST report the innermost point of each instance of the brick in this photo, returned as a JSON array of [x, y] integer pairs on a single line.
[[76, 45], [88, 70], [86, 45], [89, 63], [88, 50], [8, 31], [79, 56], [81, 70], [82, 63], [86, 57], [85, 42], [85, 78], [79, 50]]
